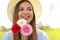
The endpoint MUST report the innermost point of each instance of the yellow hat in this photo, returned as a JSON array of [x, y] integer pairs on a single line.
[[36, 5]]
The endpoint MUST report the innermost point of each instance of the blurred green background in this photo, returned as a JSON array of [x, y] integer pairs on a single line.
[[53, 34]]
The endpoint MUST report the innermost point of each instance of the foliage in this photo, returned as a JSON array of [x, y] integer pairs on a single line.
[[3, 28]]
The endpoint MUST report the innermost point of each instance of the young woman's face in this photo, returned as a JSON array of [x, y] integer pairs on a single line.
[[25, 12]]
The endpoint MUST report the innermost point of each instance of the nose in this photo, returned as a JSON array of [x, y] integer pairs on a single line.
[[25, 12]]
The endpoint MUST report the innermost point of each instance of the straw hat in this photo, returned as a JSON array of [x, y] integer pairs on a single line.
[[36, 5]]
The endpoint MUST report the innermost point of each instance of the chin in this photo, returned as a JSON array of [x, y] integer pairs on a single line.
[[28, 22]]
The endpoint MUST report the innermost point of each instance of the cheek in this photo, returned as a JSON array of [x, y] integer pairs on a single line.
[[31, 16], [19, 15]]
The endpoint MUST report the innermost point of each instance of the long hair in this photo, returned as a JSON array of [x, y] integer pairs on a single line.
[[17, 36]]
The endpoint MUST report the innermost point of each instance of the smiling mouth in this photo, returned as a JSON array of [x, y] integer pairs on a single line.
[[26, 18]]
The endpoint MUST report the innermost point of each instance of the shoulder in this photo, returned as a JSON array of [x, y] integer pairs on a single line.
[[7, 36], [41, 35]]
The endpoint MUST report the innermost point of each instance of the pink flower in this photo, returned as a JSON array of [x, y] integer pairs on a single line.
[[26, 30]]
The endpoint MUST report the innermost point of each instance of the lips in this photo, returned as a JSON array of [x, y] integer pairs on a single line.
[[26, 18]]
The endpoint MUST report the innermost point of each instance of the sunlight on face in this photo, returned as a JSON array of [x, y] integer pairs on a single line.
[[25, 12]]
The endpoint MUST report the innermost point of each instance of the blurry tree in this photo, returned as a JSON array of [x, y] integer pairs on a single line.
[[43, 27], [3, 28]]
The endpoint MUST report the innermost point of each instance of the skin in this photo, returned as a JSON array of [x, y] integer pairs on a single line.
[[25, 12]]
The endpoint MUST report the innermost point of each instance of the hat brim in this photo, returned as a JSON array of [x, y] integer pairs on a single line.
[[36, 5]]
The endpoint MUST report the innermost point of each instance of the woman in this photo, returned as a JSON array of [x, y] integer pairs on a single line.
[[24, 9]]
